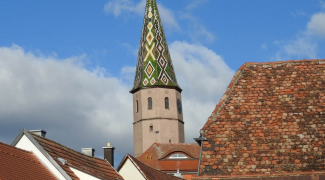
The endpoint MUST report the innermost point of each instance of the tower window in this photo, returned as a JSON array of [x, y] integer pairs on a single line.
[[166, 103], [137, 106], [149, 103], [151, 128]]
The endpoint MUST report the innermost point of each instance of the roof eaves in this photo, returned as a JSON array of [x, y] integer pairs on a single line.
[[40, 148]]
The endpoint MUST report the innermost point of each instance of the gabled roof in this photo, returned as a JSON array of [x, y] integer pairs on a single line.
[[270, 120], [16, 163], [154, 65], [156, 156], [148, 172], [90, 165]]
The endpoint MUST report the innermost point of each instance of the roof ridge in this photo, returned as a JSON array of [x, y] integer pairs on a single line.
[[282, 62], [67, 147]]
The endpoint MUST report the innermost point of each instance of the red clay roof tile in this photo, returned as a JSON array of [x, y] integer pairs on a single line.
[[271, 121], [151, 173], [156, 156], [16, 163], [91, 165]]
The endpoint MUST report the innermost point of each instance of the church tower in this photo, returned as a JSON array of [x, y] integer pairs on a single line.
[[157, 102]]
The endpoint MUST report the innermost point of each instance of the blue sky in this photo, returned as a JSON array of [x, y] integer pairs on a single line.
[[67, 66]]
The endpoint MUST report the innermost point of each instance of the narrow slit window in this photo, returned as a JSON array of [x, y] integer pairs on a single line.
[[149, 103], [166, 103], [151, 128], [137, 106]]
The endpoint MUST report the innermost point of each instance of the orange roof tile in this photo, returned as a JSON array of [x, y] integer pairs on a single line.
[[270, 120], [149, 172], [16, 163], [156, 156], [91, 165]]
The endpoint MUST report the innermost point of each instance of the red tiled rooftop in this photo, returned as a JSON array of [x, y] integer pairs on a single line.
[[16, 163], [156, 156], [270, 120], [94, 166]]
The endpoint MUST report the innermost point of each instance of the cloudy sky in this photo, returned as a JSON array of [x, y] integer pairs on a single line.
[[67, 67]]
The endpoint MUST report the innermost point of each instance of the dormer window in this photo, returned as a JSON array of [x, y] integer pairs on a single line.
[[177, 156]]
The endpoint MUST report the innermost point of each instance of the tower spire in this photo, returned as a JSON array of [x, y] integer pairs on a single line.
[[154, 64]]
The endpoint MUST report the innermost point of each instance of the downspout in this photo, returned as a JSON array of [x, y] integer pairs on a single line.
[[200, 142]]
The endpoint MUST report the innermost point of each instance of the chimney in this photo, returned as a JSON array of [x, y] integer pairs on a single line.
[[109, 153], [88, 151], [39, 132]]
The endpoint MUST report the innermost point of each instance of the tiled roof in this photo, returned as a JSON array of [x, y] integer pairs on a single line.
[[151, 173], [270, 120], [154, 65], [156, 156], [16, 163], [91, 165]]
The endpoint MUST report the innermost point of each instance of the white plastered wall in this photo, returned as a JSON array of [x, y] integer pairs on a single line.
[[83, 176], [26, 144], [129, 171]]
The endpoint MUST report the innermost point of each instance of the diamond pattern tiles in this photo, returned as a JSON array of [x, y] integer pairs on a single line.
[[154, 66]]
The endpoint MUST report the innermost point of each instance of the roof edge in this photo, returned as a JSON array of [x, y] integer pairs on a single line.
[[40, 148], [134, 90], [234, 80], [223, 99]]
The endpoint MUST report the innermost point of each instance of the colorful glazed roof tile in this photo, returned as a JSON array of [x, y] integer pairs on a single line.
[[149, 173], [16, 163], [270, 121], [154, 65], [157, 157], [93, 166]]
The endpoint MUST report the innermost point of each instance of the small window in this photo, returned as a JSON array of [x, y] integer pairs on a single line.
[[137, 106], [177, 156], [149, 103], [151, 128], [166, 103]]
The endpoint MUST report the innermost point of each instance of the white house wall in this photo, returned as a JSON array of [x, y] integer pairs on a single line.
[[130, 172], [83, 176], [26, 144]]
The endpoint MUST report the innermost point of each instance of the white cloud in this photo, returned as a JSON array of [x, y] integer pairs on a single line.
[[204, 76], [78, 107], [316, 25], [117, 7], [305, 45]]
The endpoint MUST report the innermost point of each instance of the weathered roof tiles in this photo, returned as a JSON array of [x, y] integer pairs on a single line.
[[270, 120]]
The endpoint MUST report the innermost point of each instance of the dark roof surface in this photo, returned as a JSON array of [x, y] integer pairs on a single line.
[[270, 120], [156, 156], [91, 165], [16, 163], [151, 173]]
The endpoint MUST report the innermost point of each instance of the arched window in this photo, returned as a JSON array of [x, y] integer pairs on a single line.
[[151, 128], [177, 156], [166, 103], [137, 106], [149, 103]]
